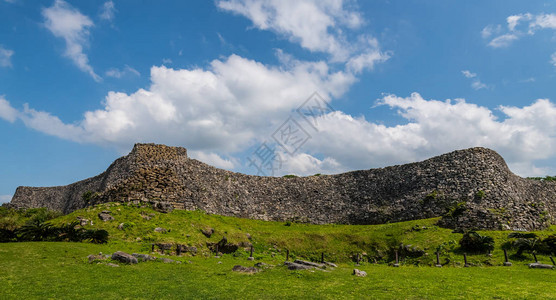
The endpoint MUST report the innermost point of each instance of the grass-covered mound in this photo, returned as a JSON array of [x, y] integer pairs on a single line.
[[416, 241]]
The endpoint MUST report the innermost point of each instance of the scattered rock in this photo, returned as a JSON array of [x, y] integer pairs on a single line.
[[540, 266], [310, 263], [160, 229], [245, 244], [164, 246], [248, 236], [359, 273], [83, 221], [166, 260], [143, 257], [93, 257], [191, 249], [250, 258], [333, 265], [263, 265], [296, 266], [208, 232], [112, 265], [121, 226], [105, 216], [164, 207], [124, 257], [223, 246], [219, 262], [242, 269]]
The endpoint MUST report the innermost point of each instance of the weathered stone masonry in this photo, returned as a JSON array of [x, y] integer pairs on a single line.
[[471, 188]]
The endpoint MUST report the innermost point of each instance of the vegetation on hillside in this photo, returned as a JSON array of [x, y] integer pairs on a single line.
[[415, 241]]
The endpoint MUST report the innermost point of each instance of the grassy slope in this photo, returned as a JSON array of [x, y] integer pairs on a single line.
[[339, 242], [60, 270]]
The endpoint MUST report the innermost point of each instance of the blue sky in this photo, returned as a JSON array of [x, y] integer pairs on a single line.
[[234, 81]]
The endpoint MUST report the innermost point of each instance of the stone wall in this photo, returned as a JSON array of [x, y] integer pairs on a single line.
[[471, 188]]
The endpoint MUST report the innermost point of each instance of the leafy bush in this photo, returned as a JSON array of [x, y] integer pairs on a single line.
[[522, 235], [7, 235], [474, 242], [36, 231], [99, 236], [528, 242], [128, 225], [550, 244]]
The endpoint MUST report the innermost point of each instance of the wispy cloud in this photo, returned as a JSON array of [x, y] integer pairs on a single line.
[[7, 112], [5, 57], [5, 198], [517, 26], [318, 26], [468, 74], [119, 73], [503, 40], [476, 84], [108, 11], [66, 22]]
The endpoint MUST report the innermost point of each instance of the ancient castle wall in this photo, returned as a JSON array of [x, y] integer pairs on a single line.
[[471, 188]]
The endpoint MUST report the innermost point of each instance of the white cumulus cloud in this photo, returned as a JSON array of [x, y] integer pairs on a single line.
[[317, 25], [435, 127], [223, 108], [66, 22]]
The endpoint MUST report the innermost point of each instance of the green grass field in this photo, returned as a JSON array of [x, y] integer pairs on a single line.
[[60, 270]]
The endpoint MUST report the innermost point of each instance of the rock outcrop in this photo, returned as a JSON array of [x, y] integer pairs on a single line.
[[471, 188]]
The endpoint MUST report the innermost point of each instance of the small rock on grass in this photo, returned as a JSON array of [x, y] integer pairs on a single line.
[[296, 266], [124, 257], [540, 266], [242, 269], [105, 216], [93, 257], [359, 273], [208, 232], [143, 257]]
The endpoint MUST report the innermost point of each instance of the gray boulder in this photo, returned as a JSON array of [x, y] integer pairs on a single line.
[[143, 257], [208, 232], [163, 207], [160, 229], [540, 266], [124, 257], [105, 216], [93, 257], [359, 273], [296, 266], [242, 269], [310, 263]]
